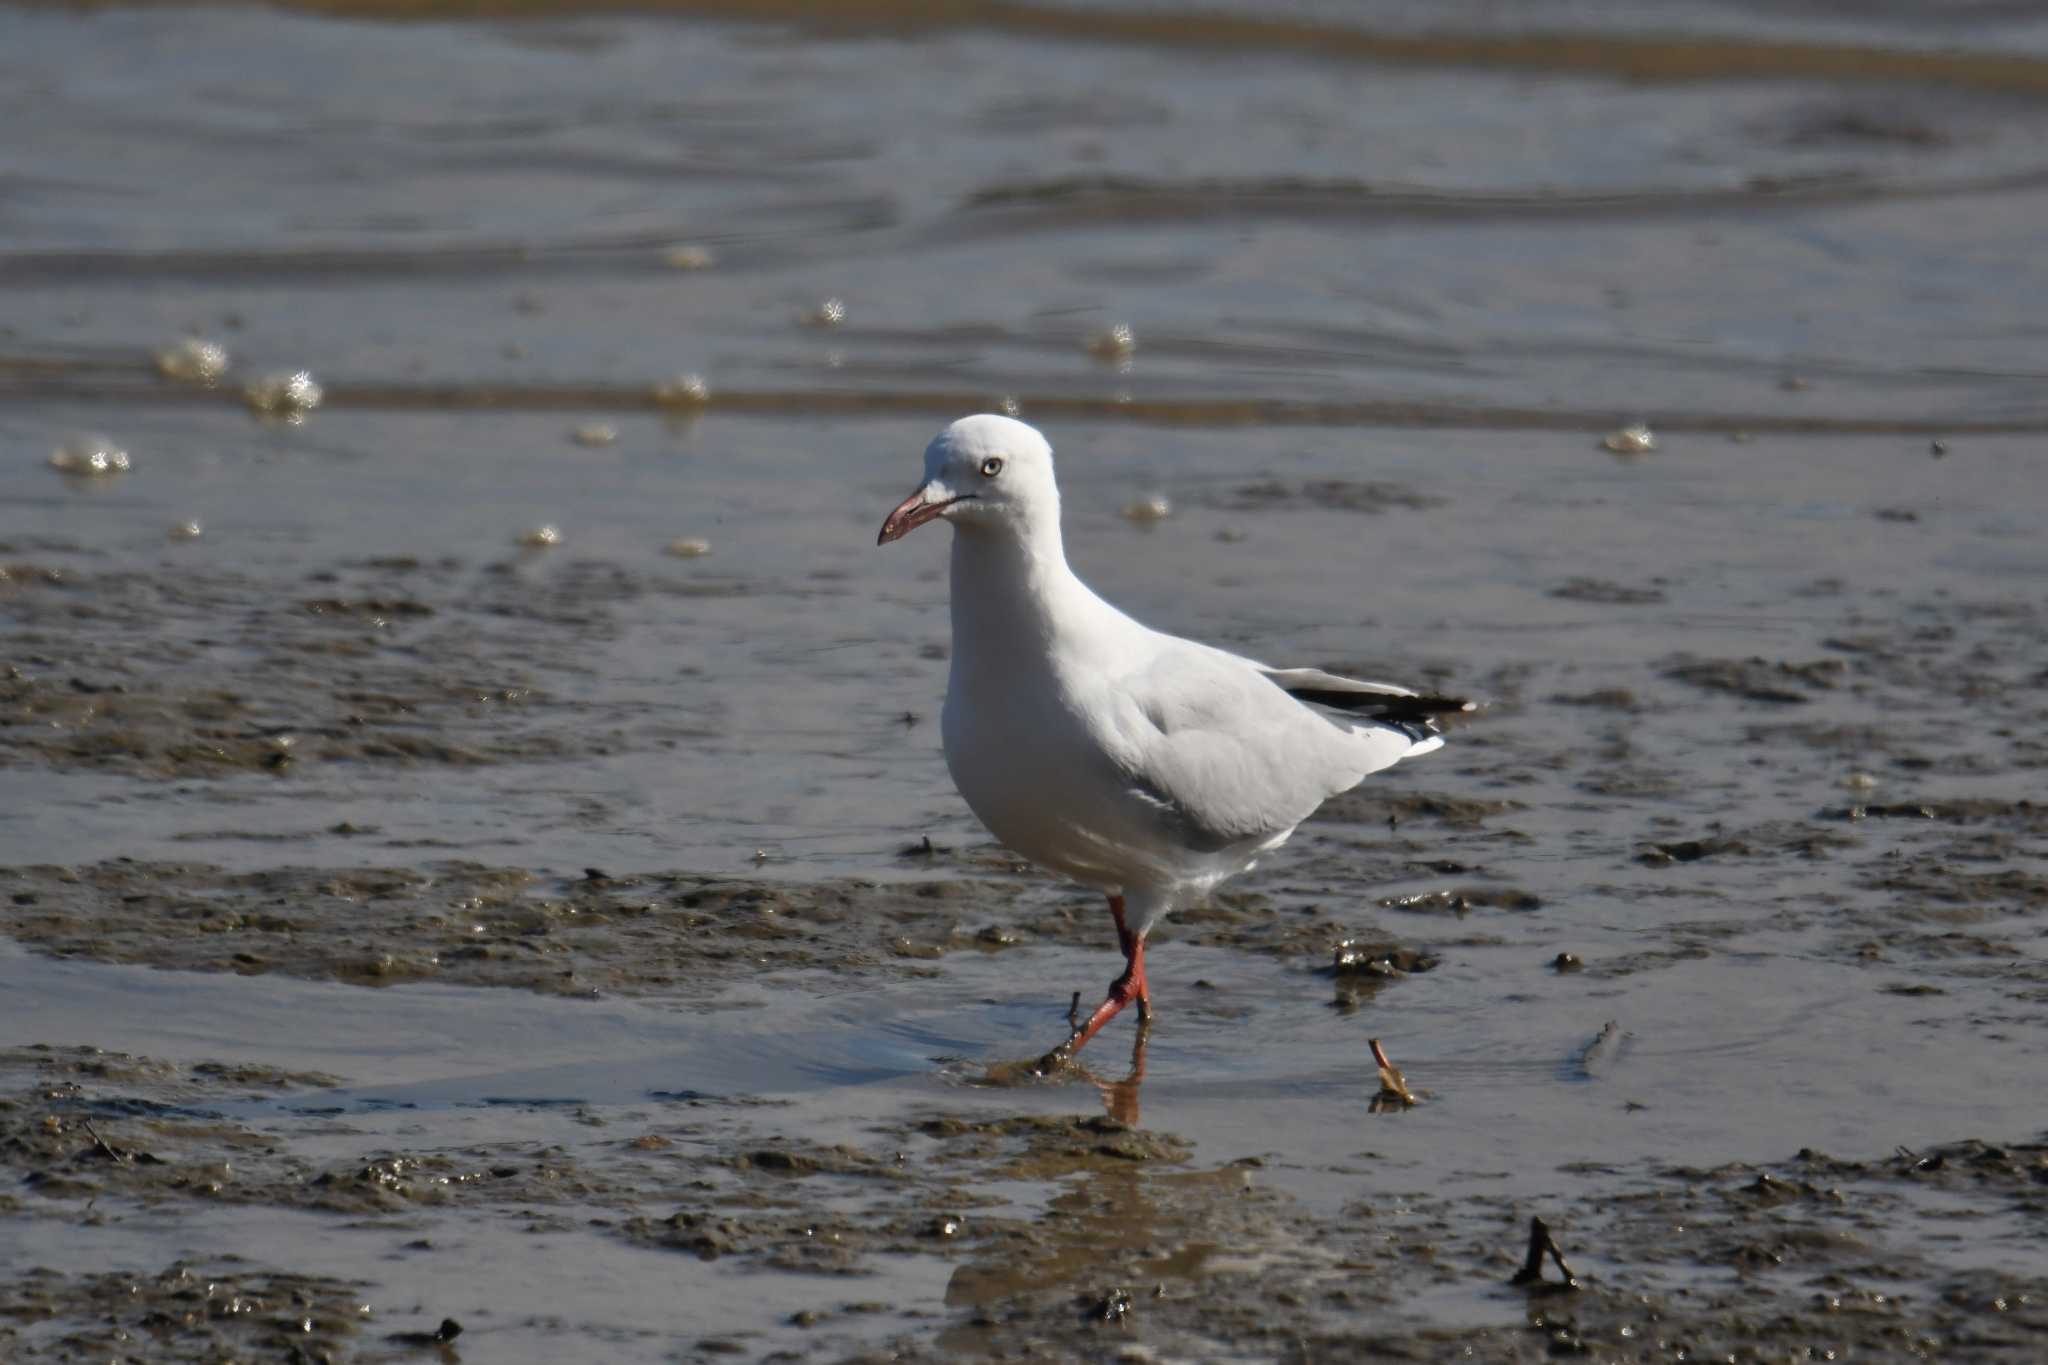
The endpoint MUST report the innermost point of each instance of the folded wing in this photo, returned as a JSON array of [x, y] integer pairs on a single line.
[[1233, 753]]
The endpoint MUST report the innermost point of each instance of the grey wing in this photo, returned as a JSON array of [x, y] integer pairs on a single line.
[[1223, 753]]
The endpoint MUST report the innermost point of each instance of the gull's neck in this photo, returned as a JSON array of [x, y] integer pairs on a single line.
[[1013, 593]]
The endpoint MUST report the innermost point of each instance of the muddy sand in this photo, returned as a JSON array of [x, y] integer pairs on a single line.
[[477, 878], [973, 1209], [280, 1103]]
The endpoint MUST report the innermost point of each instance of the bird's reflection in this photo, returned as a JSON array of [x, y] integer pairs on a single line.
[[1105, 1219], [1120, 1098]]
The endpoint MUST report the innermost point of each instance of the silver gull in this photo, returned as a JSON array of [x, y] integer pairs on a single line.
[[1141, 764]]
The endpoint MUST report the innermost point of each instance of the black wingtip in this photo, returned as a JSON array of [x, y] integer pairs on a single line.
[[1382, 706]]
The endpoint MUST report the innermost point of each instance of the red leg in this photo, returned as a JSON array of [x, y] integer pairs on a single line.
[[1124, 990], [1134, 960]]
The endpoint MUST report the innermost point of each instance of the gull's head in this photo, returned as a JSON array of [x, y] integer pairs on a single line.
[[982, 472]]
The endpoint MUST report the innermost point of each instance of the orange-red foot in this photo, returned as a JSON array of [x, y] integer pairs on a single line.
[[1130, 988]]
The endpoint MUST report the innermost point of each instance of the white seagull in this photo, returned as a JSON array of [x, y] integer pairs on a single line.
[[1144, 765]]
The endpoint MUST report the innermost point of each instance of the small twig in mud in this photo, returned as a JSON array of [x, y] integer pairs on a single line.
[[1541, 1244], [1074, 1011], [101, 1145], [1923, 1163], [1394, 1092]]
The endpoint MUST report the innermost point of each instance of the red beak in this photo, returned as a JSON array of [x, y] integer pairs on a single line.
[[910, 514]]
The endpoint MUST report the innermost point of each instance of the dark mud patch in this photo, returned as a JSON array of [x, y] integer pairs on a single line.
[[1366, 805], [1934, 881], [684, 936], [1369, 497], [82, 1130], [1601, 698], [1307, 932], [179, 673], [1897, 746], [1033, 1146], [1779, 682], [2020, 817], [1737, 1263], [104, 709], [1360, 969], [1148, 1259], [79, 1124], [203, 1312], [470, 924], [1602, 592], [1463, 900], [1829, 123], [830, 1210], [1692, 850], [1775, 839]]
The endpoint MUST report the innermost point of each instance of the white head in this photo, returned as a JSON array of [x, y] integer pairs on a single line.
[[983, 473]]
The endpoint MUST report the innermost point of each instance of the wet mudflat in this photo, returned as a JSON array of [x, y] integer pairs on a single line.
[[428, 938]]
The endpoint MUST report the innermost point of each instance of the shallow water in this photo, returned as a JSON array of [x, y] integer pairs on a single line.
[[1761, 742]]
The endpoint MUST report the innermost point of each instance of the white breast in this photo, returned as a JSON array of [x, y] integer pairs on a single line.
[[1033, 759], [1024, 765]]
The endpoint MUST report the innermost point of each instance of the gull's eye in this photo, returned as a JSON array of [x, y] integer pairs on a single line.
[[991, 467]]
